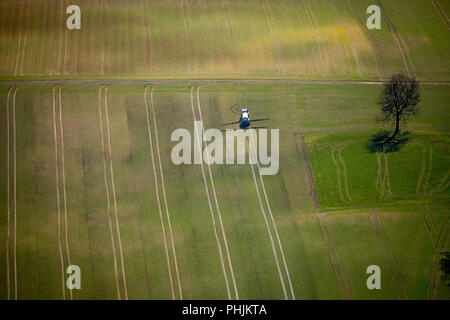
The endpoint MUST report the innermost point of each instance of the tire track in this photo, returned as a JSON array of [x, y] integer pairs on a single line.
[[234, 34], [217, 204], [20, 40], [316, 37], [148, 27], [382, 246], [102, 24], [15, 192], [338, 260], [107, 193], [164, 194], [330, 256], [340, 24], [114, 194], [216, 231], [8, 237], [58, 201], [64, 182], [422, 170], [157, 195], [389, 250], [272, 219], [434, 267], [25, 39], [227, 26], [386, 179], [425, 186], [396, 37], [378, 185], [367, 37], [338, 173], [186, 33], [428, 222], [445, 20]]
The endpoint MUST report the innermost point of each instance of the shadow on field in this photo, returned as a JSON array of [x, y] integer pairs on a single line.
[[383, 142]]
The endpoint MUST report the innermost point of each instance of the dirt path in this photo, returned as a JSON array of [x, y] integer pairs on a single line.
[[114, 194], [169, 267], [164, 194], [107, 192], [58, 201]]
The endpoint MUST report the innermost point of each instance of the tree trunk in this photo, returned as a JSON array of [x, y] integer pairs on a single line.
[[397, 125]]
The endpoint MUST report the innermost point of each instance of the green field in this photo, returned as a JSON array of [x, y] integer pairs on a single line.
[[326, 250], [224, 39], [86, 118]]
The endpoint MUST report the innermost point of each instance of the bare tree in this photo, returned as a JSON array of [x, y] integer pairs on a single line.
[[399, 100]]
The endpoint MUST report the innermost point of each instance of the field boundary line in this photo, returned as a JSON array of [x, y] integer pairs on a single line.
[[210, 205], [217, 204], [64, 182], [114, 194], [58, 201], [157, 196], [107, 192], [164, 194], [8, 186], [274, 224], [394, 263], [385, 254]]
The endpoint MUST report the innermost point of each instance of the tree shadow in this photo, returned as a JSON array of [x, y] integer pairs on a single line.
[[383, 142]]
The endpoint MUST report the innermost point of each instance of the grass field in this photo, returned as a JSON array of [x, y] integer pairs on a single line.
[[224, 39], [81, 154]]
